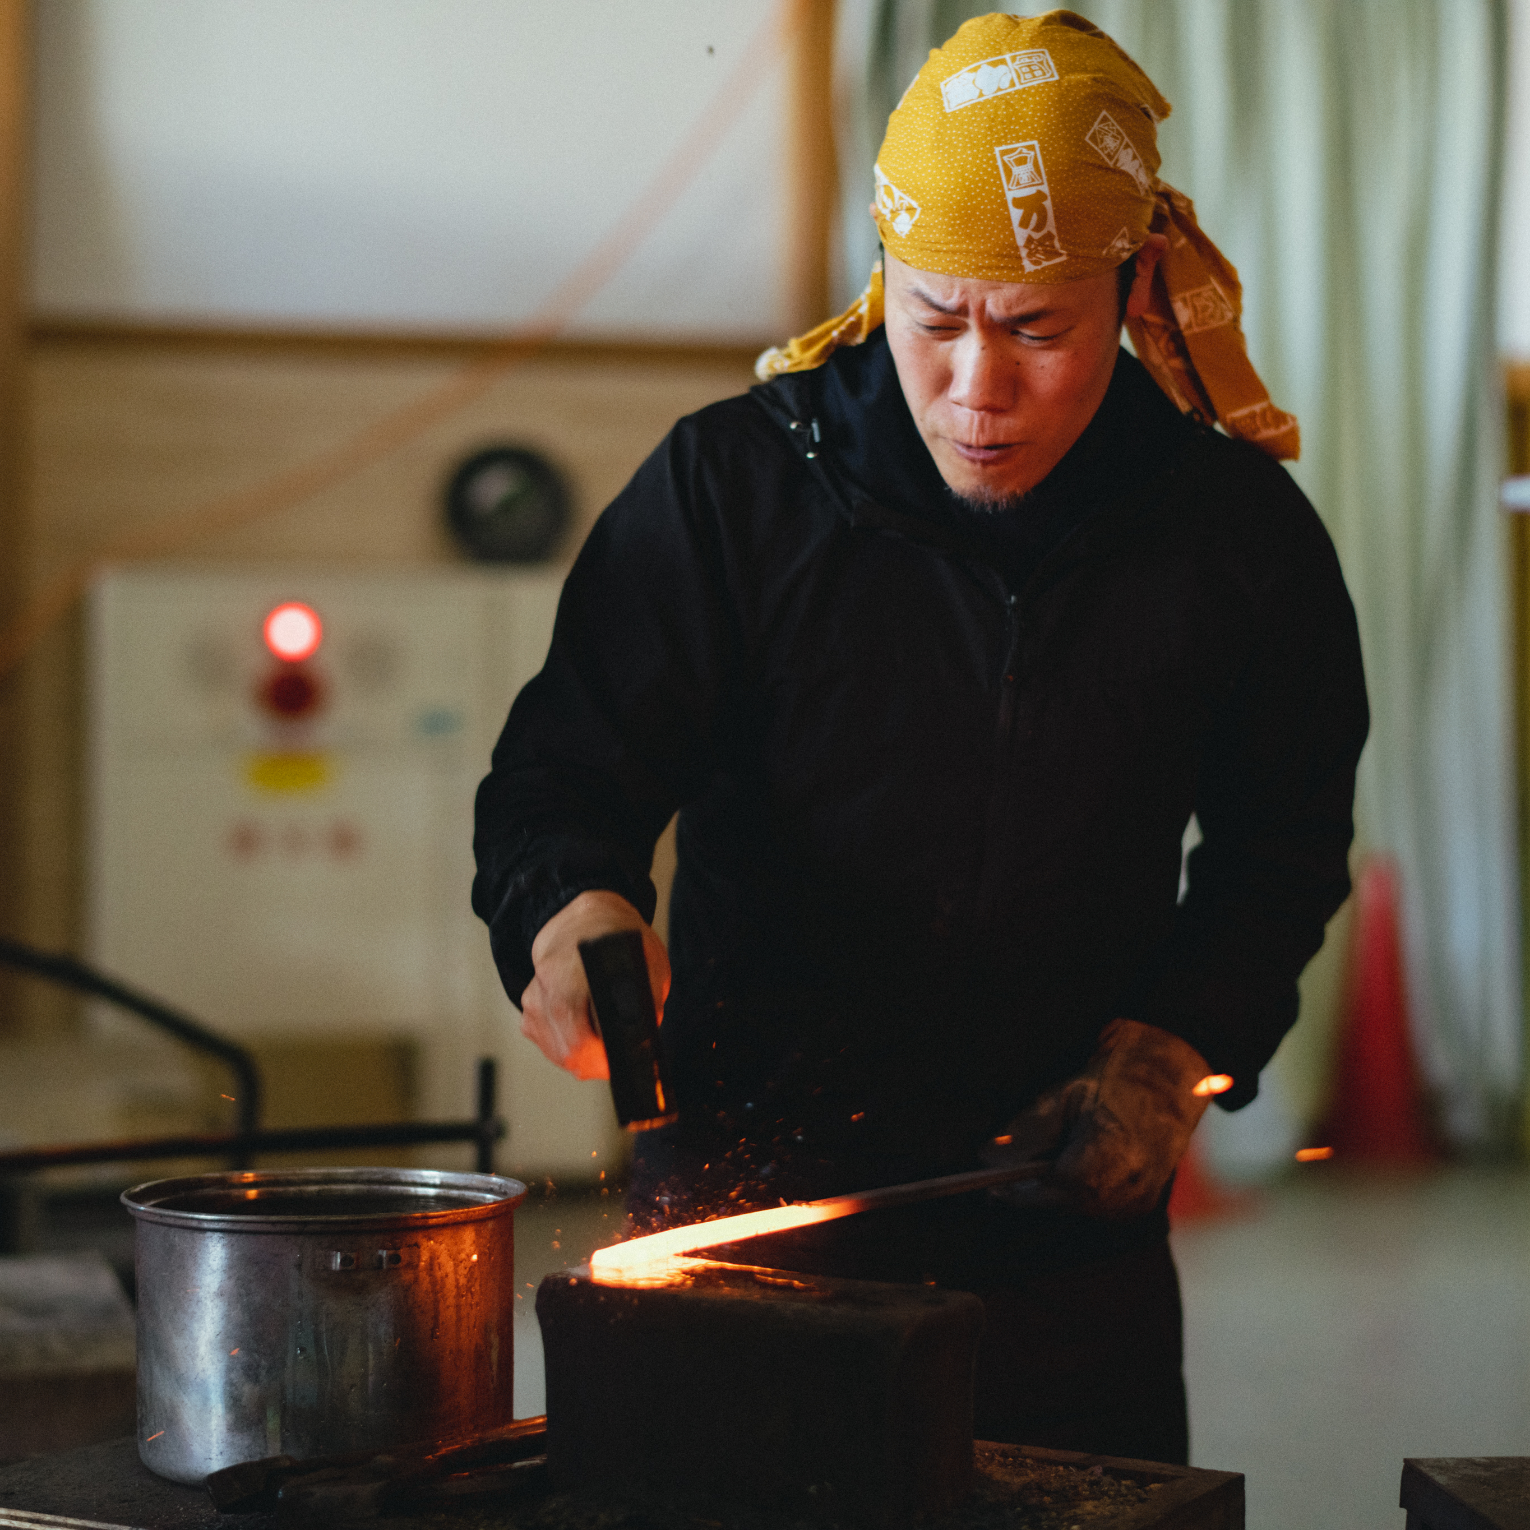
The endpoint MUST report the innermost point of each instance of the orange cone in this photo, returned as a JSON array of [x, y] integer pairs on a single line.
[[1197, 1196], [1377, 1114]]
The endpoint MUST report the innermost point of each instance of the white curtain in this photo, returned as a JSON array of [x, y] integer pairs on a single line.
[[1345, 154]]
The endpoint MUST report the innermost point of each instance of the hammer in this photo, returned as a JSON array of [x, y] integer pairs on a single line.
[[622, 1004]]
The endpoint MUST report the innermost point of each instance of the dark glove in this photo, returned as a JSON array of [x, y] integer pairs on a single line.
[[1115, 1132]]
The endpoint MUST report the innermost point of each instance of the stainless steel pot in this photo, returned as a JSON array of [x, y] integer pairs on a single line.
[[307, 1312]]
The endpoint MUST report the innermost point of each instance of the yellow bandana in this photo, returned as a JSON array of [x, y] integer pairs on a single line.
[[1026, 151]]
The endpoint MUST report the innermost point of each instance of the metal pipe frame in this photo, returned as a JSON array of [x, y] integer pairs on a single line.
[[248, 1138], [69, 972], [483, 1131]]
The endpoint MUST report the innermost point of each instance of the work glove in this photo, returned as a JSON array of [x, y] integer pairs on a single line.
[[1113, 1134]]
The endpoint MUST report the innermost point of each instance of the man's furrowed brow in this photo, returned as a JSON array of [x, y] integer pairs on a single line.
[[959, 310], [930, 301]]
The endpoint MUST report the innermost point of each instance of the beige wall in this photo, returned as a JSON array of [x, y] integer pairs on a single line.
[[433, 163], [126, 432]]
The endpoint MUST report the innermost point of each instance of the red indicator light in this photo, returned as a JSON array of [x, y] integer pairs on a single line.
[[293, 631]]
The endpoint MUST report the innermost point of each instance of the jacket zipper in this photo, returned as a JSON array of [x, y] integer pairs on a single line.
[[1011, 665], [1000, 793]]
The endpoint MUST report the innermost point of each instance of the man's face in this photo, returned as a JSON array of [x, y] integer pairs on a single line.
[[1002, 377]]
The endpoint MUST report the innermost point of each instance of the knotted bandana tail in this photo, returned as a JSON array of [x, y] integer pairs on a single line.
[[859, 321], [1190, 340]]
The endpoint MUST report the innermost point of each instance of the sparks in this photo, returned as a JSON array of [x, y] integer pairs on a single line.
[[151, 1439], [1213, 1083], [1313, 1155]]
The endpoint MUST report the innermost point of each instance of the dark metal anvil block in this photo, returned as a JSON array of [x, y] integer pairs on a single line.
[[851, 1397], [1467, 1493]]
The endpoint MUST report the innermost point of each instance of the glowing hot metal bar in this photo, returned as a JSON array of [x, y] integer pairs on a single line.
[[663, 1253]]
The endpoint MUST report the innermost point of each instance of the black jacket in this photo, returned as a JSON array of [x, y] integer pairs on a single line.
[[934, 766]]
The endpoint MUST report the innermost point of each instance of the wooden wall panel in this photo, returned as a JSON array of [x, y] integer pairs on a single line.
[[124, 435]]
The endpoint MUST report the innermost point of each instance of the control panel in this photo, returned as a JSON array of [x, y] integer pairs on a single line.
[[282, 771]]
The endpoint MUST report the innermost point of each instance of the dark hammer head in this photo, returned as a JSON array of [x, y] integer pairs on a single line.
[[622, 1001]]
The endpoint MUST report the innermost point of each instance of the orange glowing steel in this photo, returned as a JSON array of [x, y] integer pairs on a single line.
[[1313, 1155], [1213, 1083], [660, 1256]]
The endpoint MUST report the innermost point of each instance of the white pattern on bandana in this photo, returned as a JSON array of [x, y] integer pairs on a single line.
[[996, 76], [1108, 139], [1201, 308], [1030, 204], [1258, 422], [900, 209]]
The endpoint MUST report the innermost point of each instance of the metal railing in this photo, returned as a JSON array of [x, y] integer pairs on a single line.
[[249, 1137]]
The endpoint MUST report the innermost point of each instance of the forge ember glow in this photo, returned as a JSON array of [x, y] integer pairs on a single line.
[[1213, 1083]]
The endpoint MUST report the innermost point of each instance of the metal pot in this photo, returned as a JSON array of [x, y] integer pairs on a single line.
[[309, 1312]]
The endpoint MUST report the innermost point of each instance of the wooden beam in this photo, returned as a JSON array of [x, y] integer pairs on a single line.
[[812, 168], [15, 538], [384, 344]]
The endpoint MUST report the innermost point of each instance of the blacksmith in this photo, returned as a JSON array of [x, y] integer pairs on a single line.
[[936, 640]]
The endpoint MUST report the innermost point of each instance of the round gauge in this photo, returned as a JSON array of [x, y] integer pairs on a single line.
[[506, 504]]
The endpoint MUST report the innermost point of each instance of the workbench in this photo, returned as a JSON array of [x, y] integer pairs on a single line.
[[1467, 1493], [106, 1487]]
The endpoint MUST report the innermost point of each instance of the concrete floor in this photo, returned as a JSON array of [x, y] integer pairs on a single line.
[[1346, 1323], [1333, 1327]]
